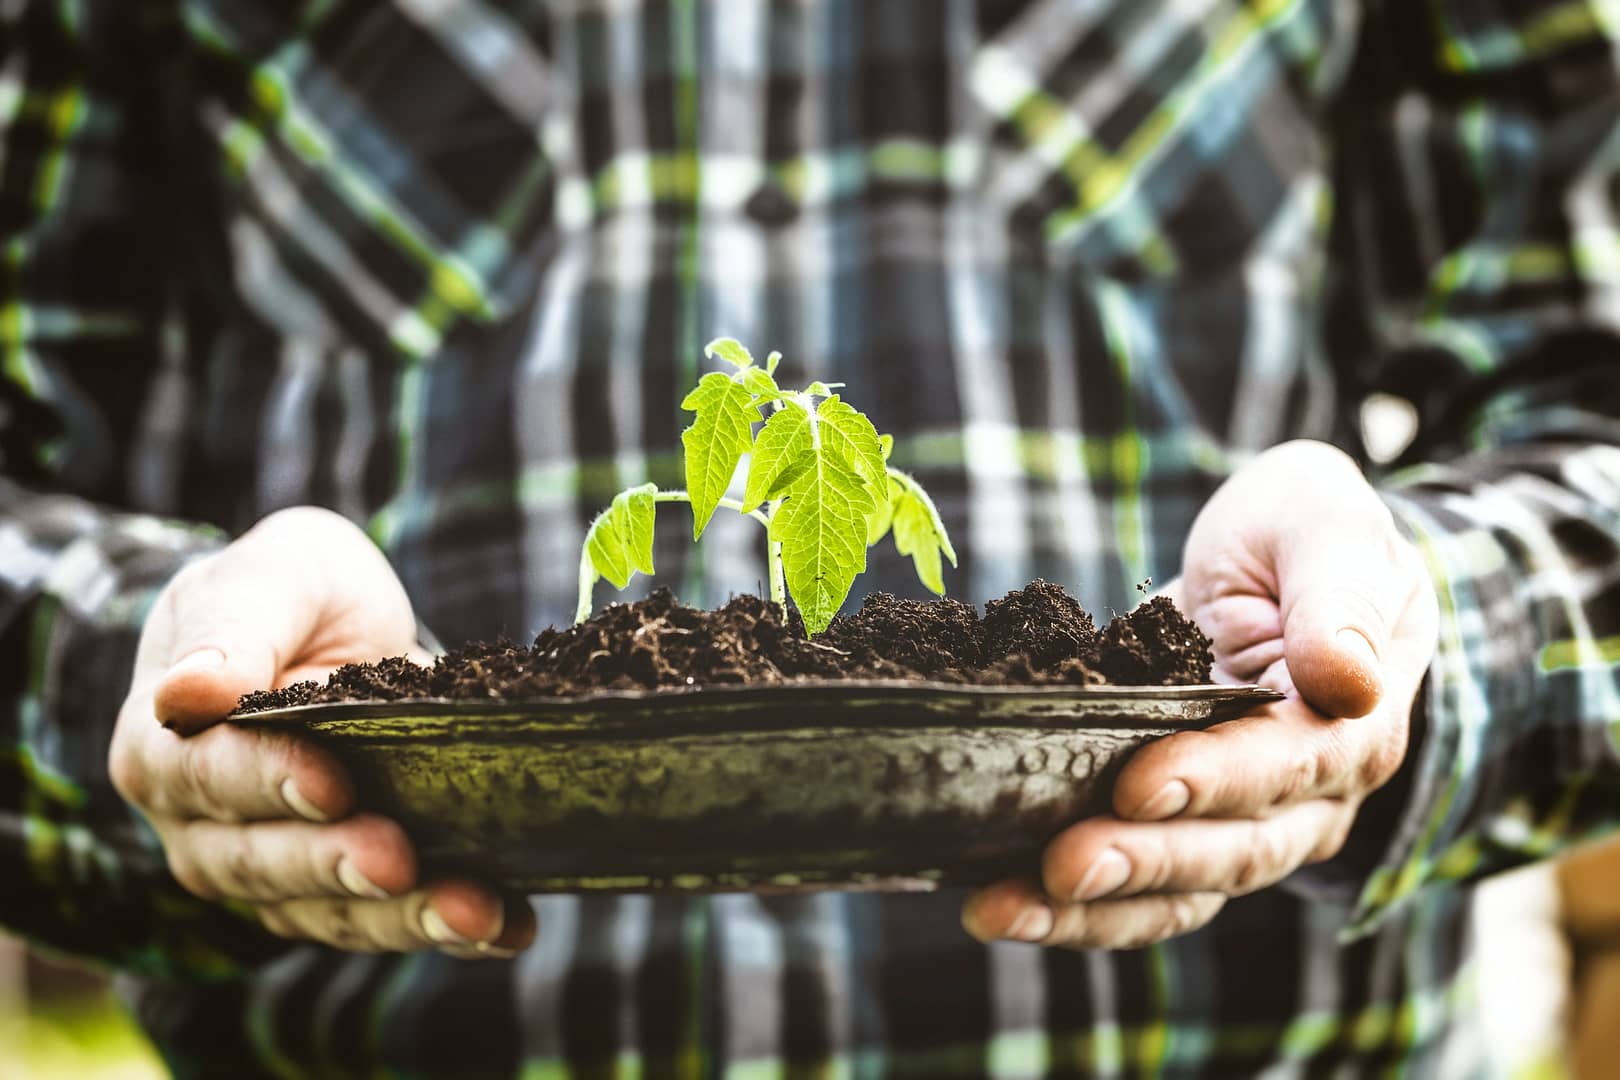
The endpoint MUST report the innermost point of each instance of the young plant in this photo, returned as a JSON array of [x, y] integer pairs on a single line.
[[818, 480]]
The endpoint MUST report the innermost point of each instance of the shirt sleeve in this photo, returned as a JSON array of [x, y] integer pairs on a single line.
[[81, 293], [1478, 171]]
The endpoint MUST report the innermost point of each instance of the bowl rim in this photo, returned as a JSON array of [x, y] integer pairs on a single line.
[[1052, 705]]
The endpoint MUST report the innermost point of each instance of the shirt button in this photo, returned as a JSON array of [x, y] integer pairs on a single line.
[[770, 205]]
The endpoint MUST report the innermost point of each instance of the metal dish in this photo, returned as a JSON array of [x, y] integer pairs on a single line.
[[793, 787]]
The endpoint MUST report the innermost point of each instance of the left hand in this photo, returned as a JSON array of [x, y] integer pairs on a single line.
[[1297, 572]]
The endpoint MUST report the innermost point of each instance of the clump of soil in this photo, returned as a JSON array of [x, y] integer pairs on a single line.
[[1155, 644], [927, 637], [1041, 622], [1037, 635]]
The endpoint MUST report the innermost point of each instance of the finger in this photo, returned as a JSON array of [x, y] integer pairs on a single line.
[[1019, 911], [231, 774], [1105, 858], [453, 915], [1245, 633], [238, 620], [518, 932], [1250, 767], [366, 857], [1344, 586]]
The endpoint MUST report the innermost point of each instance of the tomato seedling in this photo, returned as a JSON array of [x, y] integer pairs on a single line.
[[818, 480]]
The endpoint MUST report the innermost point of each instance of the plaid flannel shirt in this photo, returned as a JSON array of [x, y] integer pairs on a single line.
[[447, 267]]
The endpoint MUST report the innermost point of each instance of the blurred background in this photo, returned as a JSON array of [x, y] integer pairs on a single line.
[[1548, 954], [1548, 984], [57, 1020]]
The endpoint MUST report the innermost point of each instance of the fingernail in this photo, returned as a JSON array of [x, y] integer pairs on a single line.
[[494, 952], [301, 806], [209, 659], [1171, 800], [1356, 644], [1033, 925], [1107, 874], [357, 883], [439, 932]]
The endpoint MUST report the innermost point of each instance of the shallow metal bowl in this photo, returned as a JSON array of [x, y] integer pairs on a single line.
[[853, 785]]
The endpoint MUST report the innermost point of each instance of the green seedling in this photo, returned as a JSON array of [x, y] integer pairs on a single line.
[[818, 480]]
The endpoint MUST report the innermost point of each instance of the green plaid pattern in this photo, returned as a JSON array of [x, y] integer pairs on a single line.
[[447, 265]]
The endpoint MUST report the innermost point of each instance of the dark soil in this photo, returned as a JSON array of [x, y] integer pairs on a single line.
[[1037, 635]]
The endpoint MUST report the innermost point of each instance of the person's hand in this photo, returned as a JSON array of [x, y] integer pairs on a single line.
[[265, 817], [1297, 572]]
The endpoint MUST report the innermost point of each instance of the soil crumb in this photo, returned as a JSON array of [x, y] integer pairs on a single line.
[[1037, 635]]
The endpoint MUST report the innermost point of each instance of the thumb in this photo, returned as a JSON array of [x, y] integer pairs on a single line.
[[1342, 594], [303, 587], [234, 623]]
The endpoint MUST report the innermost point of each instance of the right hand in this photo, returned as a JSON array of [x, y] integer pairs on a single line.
[[263, 816]]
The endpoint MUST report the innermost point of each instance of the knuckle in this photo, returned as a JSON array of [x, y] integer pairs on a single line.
[[339, 928], [194, 575], [1262, 859], [237, 871], [1188, 912], [1380, 763], [127, 773], [185, 870], [1333, 839], [195, 772], [1299, 776], [1185, 913], [1248, 870], [1158, 861], [278, 924]]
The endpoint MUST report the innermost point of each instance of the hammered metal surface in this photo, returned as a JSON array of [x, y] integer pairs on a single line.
[[777, 788]]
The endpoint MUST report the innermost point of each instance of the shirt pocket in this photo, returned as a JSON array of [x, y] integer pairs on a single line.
[[1145, 140]]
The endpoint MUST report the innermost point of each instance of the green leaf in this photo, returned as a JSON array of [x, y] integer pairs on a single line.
[[851, 436], [821, 525], [886, 444], [771, 361], [731, 351], [620, 540], [918, 531], [877, 526], [785, 444], [716, 441], [760, 384]]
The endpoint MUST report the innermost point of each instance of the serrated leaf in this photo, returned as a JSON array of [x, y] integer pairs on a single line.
[[877, 526], [716, 441], [784, 443], [759, 383], [621, 538], [821, 389], [731, 351], [637, 511], [821, 524], [919, 532], [851, 436]]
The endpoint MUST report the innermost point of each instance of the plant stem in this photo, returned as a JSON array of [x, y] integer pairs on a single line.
[[588, 575], [729, 504], [587, 579], [773, 555]]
